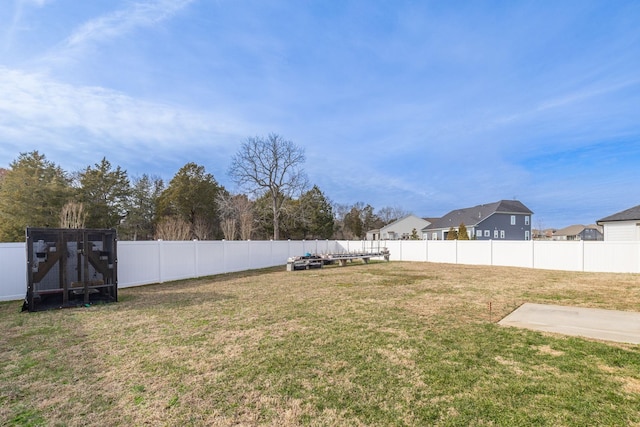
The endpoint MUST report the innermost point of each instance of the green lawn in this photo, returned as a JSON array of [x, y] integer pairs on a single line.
[[379, 344]]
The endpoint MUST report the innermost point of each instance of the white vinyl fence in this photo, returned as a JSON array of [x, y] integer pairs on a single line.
[[145, 262]]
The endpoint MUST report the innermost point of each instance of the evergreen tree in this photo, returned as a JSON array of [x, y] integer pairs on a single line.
[[353, 223], [462, 232], [263, 215], [104, 192], [452, 234], [414, 235], [141, 208], [316, 215], [191, 195], [370, 220], [32, 193]]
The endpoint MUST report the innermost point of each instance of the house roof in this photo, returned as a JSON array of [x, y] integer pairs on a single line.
[[397, 221], [630, 214], [574, 230], [431, 220], [476, 214]]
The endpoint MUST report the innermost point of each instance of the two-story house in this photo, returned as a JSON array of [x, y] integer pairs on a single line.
[[503, 220]]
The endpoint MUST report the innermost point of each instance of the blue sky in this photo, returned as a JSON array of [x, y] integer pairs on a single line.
[[426, 106]]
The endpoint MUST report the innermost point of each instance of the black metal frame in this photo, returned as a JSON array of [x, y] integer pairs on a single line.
[[69, 267]]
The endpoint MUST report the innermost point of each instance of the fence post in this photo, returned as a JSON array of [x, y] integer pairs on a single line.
[[490, 251], [224, 256], [160, 260], [426, 251], [250, 259], [196, 255], [533, 253], [456, 246]]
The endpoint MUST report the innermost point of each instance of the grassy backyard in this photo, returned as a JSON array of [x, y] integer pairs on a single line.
[[379, 344]]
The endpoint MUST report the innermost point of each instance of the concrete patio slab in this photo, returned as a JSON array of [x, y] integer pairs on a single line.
[[608, 325]]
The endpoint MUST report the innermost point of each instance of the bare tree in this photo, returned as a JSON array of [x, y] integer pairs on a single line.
[[201, 228], [244, 208], [228, 226], [173, 228], [270, 165], [237, 211], [388, 214], [72, 215], [340, 212]]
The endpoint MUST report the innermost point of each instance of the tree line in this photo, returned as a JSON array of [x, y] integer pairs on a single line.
[[276, 202]]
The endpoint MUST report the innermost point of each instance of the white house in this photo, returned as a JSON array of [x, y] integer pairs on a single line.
[[622, 226], [401, 229]]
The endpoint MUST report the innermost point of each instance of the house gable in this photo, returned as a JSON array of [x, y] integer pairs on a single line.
[[403, 227]]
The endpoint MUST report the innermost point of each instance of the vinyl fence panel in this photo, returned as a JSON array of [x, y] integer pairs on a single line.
[[13, 271], [411, 250], [210, 258], [613, 257], [558, 256], [236, 255], [260, 254], [442, 251], [138, 263], [475, 252], [512, 253], [177, 260]]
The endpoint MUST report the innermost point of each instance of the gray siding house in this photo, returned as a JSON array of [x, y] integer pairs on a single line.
[[579, 232], [503, 220]]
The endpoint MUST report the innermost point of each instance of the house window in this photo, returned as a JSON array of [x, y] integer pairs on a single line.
[[502, 234], [495, 234], [526, 220], [478, 233], [513, 220], [526, 235], [487, 233], [434, 236]]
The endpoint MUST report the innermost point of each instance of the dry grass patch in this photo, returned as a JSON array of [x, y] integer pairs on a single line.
[[378, 344], [546, 349]]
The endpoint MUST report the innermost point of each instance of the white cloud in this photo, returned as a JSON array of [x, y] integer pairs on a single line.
[[585, 94], [116, 24], [33, 104], [38, 3]]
